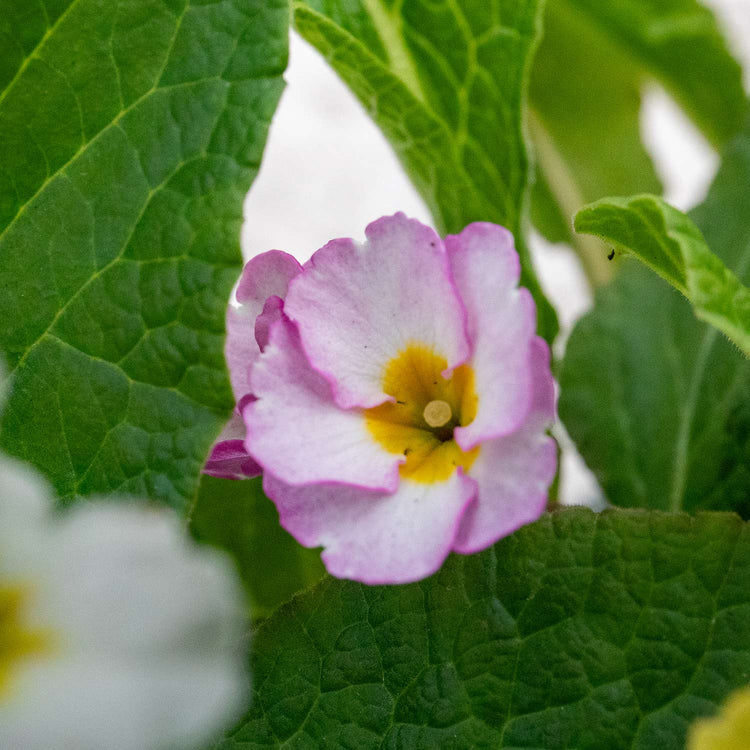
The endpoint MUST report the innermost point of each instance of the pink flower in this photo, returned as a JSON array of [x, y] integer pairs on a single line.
[[400, 396]]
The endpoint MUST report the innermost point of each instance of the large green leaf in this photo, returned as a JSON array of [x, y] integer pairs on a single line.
[[129, 135], [669, 243], [239, 518], [445, 83], [679, 43], [580, 631], [584, 111], [585, 100], [656, 400]]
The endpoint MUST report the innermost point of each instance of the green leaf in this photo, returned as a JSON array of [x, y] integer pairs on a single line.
[[656, 400], [669, 243], [445, 83], [237, 517], [129, 135], [592, 147], [679, 43], [585, 98], [580, 631]]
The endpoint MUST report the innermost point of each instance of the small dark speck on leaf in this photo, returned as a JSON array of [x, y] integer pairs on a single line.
[[403, 403], [611, 255]]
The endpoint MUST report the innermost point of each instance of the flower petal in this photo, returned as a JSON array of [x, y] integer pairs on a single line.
[[229, 459], [371, 537], [24, 496], [272, 310], [513, 473], [263, 276], [358, 306], [501, 324], [295, 430], [148, 632]]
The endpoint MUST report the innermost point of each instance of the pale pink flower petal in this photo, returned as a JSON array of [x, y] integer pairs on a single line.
[[358, 306], [295, 429], [229, 459], [376, 538], [502, 322], [266, 275], [514, 472], [260, 292]]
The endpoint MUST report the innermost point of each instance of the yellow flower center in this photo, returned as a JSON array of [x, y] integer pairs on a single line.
[[427, 409], [17, 641]]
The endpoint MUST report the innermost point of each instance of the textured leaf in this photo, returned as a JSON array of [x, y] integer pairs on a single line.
[[580, 631], [129, 135], [239, 518], [669, 243], [585, 101], [656, 400], [444, 81]]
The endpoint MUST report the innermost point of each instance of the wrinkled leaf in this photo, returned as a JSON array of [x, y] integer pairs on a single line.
[[129, 135], [669, 243], [237, 517], [444, 81], [656, 400], [580, 631]]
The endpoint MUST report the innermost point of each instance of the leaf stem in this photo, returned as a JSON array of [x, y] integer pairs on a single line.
[[568, 195]]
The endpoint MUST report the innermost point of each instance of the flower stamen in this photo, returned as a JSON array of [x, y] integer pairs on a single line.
[[425, 410], [437, 413]]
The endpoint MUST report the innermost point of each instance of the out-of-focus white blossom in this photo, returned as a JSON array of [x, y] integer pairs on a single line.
[[116, 631]]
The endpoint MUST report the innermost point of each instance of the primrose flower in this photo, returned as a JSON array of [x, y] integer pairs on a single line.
[[395, 396], [729, 730], [115, 631]]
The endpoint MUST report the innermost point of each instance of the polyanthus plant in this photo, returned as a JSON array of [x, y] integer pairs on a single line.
[[395, 396], [115, 631]]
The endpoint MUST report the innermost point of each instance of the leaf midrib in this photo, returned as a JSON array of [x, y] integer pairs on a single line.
[[682, 445], [34, 53]]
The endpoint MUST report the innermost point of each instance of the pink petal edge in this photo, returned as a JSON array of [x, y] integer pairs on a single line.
[[501, 324], [335, 319], [376, 538], [295, 430], [513, 473]]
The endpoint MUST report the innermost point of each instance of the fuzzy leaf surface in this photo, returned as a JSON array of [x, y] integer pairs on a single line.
[[579, 631], [129, 135], [670, 244]]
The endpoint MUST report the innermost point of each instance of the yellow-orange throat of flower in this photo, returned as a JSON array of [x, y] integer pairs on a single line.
[[427, 409], [17, 642]]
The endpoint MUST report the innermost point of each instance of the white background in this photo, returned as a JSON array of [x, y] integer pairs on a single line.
[[328, 171]]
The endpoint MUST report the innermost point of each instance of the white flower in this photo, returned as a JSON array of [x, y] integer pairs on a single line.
[[116, 632]]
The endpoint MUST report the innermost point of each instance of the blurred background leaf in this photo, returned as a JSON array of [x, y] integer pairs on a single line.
[[585, 102], [656, 400], [445, 83]]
